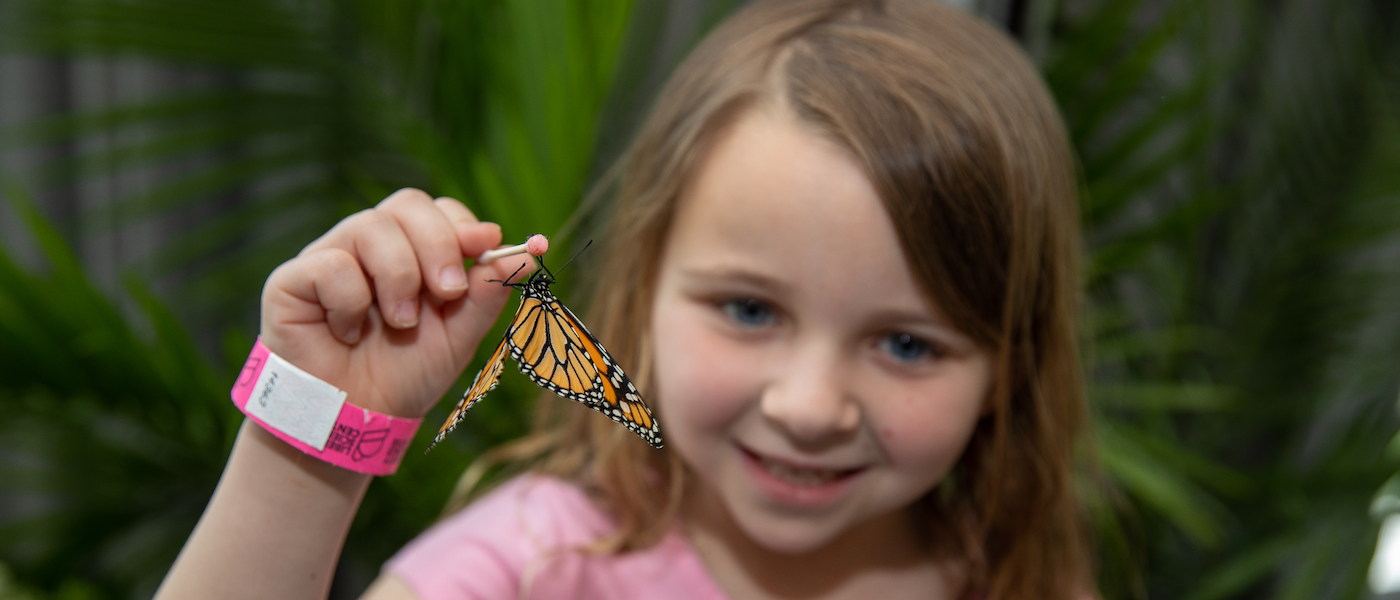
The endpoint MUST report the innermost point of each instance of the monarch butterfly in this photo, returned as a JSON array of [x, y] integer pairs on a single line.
[[553, 348]]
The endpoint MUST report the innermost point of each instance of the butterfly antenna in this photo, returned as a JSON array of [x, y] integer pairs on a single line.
[[571, 260], [512, 276]]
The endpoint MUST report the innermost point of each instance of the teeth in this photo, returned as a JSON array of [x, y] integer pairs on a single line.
[[799, 476]]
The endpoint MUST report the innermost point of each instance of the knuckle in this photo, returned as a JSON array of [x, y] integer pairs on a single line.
[[358, 224], [274, 279], [406, 196], [336, 260], [358, 300], [455, 209], [400, 277], [358, 217], [375, 218], [436, 241]]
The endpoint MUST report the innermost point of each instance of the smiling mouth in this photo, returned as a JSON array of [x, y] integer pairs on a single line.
[[800, 476]]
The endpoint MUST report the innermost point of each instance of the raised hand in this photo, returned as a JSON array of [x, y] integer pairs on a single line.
[[381, 307]]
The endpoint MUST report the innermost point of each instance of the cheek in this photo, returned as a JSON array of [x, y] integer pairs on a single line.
[[925, 430], [703, 381]]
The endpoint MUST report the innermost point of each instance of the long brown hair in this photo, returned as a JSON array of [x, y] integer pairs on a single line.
[[963, 143]]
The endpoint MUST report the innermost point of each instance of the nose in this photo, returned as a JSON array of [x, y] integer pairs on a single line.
[[812, 398]]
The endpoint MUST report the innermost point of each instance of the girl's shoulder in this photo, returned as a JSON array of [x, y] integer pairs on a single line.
[[528, 538]]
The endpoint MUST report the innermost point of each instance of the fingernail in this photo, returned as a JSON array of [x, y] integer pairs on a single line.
[[453, 277], [353, 335], [407, 313]]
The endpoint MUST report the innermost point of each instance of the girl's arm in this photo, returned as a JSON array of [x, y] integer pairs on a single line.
[[381, 308]]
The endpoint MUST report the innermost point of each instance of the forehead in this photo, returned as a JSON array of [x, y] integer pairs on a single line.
[[774, 198]]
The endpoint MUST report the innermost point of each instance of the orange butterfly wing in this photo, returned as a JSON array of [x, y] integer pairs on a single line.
[[554, 349], [558, 353], [485, 381]]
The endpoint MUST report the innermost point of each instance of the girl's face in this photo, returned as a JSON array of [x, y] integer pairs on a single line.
[[804, 379]]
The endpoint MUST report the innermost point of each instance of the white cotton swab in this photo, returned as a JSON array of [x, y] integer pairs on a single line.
[[537, 245]]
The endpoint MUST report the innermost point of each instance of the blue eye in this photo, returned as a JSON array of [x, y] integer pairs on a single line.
[[748, 312], [906, 348]]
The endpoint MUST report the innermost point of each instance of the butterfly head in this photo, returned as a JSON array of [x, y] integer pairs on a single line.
[[542, 274], [540, 280]]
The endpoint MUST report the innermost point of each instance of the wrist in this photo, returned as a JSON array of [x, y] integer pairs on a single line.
[[398, 410], [315, 417], [300, 466]]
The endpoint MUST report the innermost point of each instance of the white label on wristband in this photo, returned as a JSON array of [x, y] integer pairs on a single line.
[[295, 402]]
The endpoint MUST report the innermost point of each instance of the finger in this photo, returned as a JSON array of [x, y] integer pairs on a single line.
[[382, 248], [325, 285], [433, 239], [473, 236], [456, 211], [473, 316]]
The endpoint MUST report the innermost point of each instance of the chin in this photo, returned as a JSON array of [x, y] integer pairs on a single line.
[[787, 535]]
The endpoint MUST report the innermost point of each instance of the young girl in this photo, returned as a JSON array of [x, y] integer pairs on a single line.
[[842, 271]]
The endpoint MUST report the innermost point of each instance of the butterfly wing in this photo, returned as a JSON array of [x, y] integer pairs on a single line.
[[620, 400], [485, 381], [558, 353]]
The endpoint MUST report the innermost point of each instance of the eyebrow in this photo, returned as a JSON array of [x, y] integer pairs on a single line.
[[712, 275], [899, 315]]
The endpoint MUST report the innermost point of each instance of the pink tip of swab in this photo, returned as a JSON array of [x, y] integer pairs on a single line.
[[536, 245]]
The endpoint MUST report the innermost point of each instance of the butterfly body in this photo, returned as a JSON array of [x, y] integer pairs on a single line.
[[553, 348]]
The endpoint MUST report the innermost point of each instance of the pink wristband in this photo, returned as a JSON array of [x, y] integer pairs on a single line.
[[313, 416]]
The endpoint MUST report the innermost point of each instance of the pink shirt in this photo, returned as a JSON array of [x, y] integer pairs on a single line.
[[520, 540]]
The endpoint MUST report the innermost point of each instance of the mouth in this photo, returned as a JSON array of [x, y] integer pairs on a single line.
[[800, 475]]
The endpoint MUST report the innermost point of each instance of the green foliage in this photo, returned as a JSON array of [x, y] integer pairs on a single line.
[[1240, 203], [316, 109], [112, 440], [309, 110]]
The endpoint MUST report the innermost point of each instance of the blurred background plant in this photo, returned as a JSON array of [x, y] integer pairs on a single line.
[[1241, 192]]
